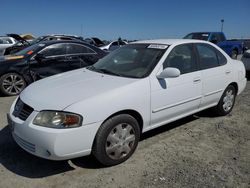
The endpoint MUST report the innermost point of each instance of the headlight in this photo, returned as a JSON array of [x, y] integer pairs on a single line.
[[58, 120]]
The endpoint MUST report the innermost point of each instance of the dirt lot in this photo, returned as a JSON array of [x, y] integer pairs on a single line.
[[198, 151]]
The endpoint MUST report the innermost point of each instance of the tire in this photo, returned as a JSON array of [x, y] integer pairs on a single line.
[[12, 84], [116, 140], [226, 102], [234, 54]]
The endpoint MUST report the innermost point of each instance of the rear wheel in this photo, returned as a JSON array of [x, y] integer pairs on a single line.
[[116, 140], [226, 102], [12, 84]]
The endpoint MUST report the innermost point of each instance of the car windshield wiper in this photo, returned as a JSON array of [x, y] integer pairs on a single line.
[[108, 72], [103, 71]]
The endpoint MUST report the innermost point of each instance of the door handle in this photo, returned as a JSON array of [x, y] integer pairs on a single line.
[[196, 80], [228, 72]]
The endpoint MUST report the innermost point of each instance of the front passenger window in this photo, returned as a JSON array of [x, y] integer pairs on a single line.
[[182, 58]]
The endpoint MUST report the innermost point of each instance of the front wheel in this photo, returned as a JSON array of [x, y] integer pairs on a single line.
[[12, 84], [226, 102], [116, 140]]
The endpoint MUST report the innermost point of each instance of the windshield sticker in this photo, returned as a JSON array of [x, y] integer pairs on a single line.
[[205, 35], [158, 46]]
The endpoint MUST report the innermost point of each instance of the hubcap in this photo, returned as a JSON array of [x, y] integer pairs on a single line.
[[120, 141], [228, 100], [13, 84]]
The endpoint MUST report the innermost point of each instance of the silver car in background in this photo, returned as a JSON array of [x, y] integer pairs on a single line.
[[6, 42]]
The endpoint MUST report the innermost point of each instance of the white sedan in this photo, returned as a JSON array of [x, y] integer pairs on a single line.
[[103, 109]]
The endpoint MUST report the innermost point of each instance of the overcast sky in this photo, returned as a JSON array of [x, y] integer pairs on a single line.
[[130, 19]]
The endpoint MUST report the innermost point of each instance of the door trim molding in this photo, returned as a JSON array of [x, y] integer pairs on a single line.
[[213, 92], [176, 104]]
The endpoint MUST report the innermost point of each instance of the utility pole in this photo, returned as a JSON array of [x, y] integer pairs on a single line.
[[222, 23]]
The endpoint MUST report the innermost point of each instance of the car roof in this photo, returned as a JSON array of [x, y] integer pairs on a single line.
[[63, 41], [170, 41]]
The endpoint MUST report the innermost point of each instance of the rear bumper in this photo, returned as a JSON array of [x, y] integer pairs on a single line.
[[246, 62], [241, 85]]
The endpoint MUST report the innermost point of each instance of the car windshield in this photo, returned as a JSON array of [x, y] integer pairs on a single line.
[[200, 36], [133, 60], [29, 50]]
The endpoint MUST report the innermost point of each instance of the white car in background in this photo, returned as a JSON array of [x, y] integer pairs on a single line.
[[103, 109], [6, 42], [113, 45], [246, 60]]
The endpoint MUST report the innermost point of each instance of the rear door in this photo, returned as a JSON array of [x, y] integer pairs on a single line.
[[79, 55], [214, 73], [53, 61]]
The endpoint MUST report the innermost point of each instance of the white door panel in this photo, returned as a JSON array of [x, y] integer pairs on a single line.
[[172, 97]]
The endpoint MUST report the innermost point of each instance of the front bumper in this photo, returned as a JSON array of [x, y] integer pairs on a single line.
[[53, 144]]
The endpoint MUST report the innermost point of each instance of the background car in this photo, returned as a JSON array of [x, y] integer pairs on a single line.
[[231, 47], [6, 42], [42, 60], [95, 41], [19, 45], [22, 43], [113, 45], [246, 60]]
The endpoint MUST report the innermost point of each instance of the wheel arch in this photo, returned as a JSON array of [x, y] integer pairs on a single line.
[[131, 112], [235, 85]]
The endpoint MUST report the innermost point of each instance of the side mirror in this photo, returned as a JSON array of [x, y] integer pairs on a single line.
[[39, 57], [169, 72]]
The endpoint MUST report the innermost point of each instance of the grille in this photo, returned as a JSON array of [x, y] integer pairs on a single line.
[[22, 110], [24, 144]]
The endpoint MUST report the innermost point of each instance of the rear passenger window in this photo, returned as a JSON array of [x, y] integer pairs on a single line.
[[182, 58], [54, 50], [221, 58], [208, 56], [78, 49]]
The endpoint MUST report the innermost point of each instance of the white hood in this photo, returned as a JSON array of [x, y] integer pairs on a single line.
[[62, 90]]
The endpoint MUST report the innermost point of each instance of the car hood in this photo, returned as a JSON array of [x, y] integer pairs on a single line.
[[62, 90]]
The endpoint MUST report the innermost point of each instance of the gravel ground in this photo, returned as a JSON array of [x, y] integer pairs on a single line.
[[197, 151]]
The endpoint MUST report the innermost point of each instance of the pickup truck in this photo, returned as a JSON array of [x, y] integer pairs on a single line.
[[232, 48]]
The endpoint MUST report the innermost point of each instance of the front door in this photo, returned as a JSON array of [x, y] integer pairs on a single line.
[[172, 98]]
